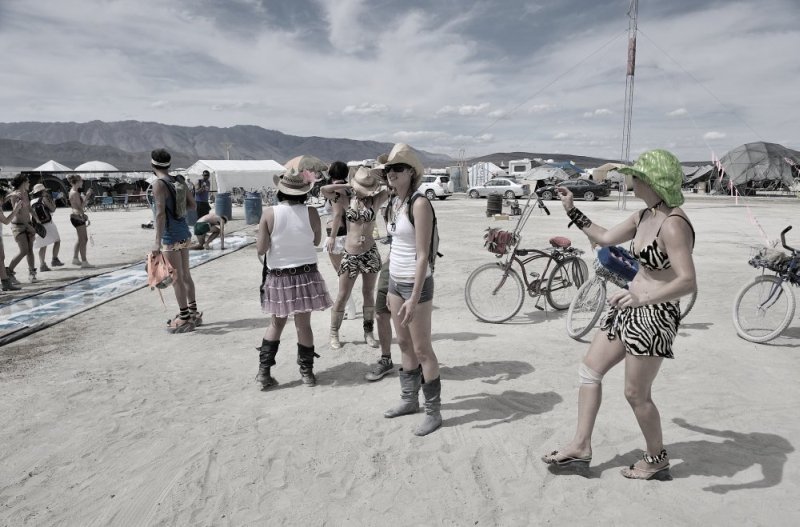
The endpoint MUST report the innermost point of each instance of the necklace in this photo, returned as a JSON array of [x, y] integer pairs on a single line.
[[397, 208]]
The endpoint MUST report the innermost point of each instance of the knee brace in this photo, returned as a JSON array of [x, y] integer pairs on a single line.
[[586, 375]]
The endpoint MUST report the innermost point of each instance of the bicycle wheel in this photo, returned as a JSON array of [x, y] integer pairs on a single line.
[[586, 308], [763, 309], [687, 303], [567, 277], [492, 295]]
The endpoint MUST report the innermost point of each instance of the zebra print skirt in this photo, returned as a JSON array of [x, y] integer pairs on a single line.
[[355, 264], [647, 330]]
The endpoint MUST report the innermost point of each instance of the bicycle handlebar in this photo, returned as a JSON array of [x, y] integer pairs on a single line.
[[783, 240]]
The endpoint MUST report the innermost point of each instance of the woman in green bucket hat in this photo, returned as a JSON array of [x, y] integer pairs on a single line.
[[642, 321]]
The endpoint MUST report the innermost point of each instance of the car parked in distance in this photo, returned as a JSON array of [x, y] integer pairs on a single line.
[[581, 188], [436, 186], [509, 188]]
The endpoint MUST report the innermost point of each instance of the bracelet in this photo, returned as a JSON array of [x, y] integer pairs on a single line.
[[578, 218]]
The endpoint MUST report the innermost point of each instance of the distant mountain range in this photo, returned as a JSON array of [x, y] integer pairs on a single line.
[[127, 144]]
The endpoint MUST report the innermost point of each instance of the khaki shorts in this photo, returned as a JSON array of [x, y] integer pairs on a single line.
[[177, 246]]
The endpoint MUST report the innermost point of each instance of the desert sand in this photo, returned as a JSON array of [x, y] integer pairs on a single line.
[[108, 420]]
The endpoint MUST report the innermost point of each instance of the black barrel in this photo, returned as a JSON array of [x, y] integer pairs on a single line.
[[494, 204]]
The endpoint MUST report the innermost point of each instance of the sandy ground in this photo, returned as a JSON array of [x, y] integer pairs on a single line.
[[108, 420]]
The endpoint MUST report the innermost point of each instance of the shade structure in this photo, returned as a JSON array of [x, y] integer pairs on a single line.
[[546, 172], [760, 162], [306, 162], [250, 174], [95, 169], [52, 166]]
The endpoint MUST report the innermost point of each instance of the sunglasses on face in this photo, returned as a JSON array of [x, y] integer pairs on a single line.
[[396, 168]]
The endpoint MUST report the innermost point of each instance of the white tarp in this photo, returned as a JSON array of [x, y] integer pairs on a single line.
[[545, 172], [52, 166], [228, 173], [480, 173], [95, 169]]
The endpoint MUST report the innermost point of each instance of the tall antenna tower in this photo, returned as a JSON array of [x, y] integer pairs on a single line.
[[633, 15]]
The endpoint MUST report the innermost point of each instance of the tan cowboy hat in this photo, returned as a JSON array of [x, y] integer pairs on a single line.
[[403, 154], [367, 181], [39, 188], [294, 184]]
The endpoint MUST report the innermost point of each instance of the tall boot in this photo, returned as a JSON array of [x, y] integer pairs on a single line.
[[336, 323], [409, 393], [8, 285], [305, 359], [350, 309], [432, 390], [266, 360], [369, 325]]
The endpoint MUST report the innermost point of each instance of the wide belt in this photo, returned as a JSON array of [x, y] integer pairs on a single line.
[[301, 269]]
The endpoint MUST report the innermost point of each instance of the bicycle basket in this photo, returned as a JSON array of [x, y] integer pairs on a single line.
[[769, 258], [499, 241]]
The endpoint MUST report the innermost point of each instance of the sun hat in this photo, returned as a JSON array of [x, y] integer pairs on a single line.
[[367, 181], [296, 183], [401, 153], [662, 171], [39, 188]]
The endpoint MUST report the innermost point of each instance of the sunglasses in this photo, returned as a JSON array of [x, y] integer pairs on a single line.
[[400, 167]]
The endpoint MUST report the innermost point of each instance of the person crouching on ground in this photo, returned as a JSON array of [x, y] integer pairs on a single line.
[[208, 228], [411, 289], [288, 235], [42, 209], [642, 320], [172, 199], [362, 198]]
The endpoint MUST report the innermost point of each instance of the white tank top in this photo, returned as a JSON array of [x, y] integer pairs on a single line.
[[292, 240], [403, 252]]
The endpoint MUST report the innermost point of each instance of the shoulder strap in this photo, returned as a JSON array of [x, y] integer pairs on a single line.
[[411, 201], [681, 217]]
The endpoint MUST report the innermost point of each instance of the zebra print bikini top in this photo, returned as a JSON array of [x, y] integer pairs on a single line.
[[651, 257]]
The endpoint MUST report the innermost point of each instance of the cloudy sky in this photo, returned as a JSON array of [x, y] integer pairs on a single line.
[[477, 76]]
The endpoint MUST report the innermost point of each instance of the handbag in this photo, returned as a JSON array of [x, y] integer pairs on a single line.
[[618, 261], [160, 274], [40, 229]]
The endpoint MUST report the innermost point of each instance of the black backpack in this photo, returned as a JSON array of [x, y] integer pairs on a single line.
[[433, 252], [40, 212]]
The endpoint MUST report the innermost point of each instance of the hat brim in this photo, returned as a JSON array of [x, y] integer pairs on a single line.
[[366, 191], [632, 172]]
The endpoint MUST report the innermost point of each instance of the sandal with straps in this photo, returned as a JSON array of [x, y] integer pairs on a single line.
[[178, 325], [566, 461], [648, 471]]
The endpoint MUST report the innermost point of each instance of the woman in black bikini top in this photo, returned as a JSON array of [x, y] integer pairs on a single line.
[[642, 321]]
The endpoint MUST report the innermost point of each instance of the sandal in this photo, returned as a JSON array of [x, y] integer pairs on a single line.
[[178, 325], [648, 471], [196, 318], [566, 461]]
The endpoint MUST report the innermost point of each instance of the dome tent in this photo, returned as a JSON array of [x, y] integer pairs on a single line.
[[760, 162]]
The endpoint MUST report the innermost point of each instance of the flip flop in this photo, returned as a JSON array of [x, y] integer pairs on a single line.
[[566, 461]]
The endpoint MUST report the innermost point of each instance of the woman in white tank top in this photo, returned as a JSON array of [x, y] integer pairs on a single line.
[[287, 238]]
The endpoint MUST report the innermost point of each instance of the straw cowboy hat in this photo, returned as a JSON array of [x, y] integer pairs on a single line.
[[38, 188], [294, 182], [367, 181], [300, 163], [403, 154]]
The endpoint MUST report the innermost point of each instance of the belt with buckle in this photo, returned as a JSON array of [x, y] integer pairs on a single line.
[[301, 269]]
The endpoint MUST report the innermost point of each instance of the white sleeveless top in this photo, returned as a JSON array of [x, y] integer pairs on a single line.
[[403, 252], [292, 240]]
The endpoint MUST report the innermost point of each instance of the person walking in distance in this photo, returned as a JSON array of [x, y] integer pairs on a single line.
[[5, 278], [172, 236], [201, 193], [364, 197], [642, 321], [42, 209], [78, 218], [288, 235], [21, 226], [410, 292]]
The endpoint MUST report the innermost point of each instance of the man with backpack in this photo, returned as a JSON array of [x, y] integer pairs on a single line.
[[42, 209]]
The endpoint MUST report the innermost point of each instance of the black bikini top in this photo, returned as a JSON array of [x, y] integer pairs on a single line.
[[651, 257], [357, 214]]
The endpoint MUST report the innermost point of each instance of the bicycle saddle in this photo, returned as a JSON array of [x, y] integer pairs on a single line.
[[560, 241]]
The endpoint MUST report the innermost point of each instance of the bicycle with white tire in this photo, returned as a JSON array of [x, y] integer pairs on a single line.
[[764, 307]]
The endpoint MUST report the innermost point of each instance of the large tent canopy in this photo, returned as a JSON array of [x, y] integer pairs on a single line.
[[95, 169], [760, 162], [52, 166], [247, 174]]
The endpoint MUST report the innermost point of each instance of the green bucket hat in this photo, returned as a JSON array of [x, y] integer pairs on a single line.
[[662, 171]]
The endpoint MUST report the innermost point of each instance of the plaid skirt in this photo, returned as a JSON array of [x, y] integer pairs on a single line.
[[287, 294]]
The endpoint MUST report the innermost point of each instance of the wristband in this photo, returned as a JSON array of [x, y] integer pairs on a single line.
[[578, 218]]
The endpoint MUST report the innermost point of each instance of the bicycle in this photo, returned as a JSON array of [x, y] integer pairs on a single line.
[[764, 307], [588, 304], [495, 292]]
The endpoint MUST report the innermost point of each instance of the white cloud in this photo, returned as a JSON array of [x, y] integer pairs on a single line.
[[159, 104], [465, 110], [598, 113], [678, 112], [365, 108], [541, 108], [561, 135], [712, 136]]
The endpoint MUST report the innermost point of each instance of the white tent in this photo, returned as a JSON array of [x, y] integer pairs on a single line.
[[545, 172], [229, 173], [480, 173], [95, 169], [52, 166]]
